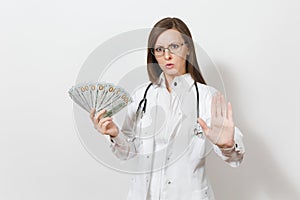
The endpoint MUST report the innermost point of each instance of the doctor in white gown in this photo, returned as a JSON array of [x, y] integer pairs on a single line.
[[170, 156]]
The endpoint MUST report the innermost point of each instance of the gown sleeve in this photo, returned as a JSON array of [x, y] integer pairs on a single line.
[[124, 145]]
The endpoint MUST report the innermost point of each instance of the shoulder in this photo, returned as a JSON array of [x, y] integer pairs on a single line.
[[206, 91], [138, 92]]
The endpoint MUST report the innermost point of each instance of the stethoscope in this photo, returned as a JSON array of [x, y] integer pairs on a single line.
[[141, 111]]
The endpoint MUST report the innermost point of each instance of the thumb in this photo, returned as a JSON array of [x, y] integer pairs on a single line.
[[203, 125]]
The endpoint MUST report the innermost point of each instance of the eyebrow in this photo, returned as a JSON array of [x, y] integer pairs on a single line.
[[161, 45]]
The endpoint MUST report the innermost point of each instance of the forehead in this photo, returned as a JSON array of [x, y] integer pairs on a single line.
[[168, 37]]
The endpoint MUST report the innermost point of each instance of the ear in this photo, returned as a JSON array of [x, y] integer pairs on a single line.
[[187, 56], [188, 53], [188, 49]]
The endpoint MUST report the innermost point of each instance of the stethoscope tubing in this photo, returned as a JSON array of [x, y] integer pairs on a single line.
[[197, 130]]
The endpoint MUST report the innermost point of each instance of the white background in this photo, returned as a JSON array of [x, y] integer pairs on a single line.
[[43, 44]]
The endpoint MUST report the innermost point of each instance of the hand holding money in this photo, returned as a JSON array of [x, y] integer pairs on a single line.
[[104, 125], [102, 100]]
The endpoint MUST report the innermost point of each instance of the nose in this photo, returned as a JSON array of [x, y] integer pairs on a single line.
[[167, 54]]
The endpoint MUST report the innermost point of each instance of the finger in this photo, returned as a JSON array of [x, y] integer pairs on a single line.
[[229, 113], [103, 120], [218, 105], [102, 126], [92, 113], [203, 125], [99, 116], [105, 124], [213, 107], [223, 106]]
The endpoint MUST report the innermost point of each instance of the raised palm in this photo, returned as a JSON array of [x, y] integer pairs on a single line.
[[221, 131]]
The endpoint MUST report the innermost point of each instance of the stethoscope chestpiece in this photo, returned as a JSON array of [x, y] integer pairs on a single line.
[[198, 130]]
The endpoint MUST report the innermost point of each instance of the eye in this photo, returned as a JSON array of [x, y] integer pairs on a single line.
[[158, 49], [174, 46]]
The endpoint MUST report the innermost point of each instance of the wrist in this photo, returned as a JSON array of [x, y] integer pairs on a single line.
[[114, 135], [228, 145], [114, 138]]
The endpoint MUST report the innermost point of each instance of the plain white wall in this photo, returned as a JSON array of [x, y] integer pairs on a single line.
[[43, 44]]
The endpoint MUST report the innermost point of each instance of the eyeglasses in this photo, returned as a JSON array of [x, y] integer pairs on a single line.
[[173, 48]]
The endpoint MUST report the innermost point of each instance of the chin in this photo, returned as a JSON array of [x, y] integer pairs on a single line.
[[171, 72]]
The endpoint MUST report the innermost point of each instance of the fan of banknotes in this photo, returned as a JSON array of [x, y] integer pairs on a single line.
[[100, 95]]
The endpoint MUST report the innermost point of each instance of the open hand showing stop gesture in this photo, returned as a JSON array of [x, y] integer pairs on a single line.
[[221, 131]]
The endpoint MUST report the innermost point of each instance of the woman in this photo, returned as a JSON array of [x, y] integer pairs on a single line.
[[170, 149]]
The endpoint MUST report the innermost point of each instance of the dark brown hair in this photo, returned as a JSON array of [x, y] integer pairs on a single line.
[[192, 66]]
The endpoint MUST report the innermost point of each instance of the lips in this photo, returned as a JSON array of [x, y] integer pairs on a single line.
[[169, 65]]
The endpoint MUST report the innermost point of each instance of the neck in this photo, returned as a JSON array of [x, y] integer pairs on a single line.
[[169, 80]]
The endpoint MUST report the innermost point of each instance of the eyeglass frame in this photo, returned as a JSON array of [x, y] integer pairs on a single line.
[[164, 49]]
